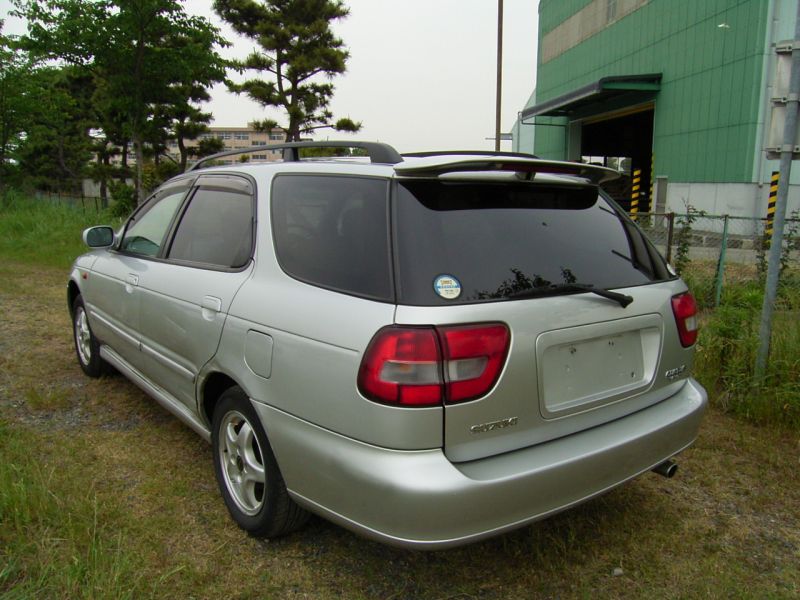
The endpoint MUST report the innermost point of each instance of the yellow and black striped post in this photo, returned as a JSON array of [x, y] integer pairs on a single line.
[[637, 182], [773, 199], [652, 207]]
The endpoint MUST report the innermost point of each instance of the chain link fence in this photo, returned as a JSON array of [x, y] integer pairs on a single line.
[[722, 257], [77, 200]]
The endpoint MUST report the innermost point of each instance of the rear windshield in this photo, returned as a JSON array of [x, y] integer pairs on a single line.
[[466, 241]]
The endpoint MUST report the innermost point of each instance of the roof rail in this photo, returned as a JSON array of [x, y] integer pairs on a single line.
[[378, 152], [469, 153]]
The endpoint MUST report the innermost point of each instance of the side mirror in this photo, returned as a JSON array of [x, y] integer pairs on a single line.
[[98, 237]]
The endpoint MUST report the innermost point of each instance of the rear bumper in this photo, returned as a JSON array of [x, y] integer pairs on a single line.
[[418, 499]]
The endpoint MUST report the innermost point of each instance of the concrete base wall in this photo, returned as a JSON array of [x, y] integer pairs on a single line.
[[734, 199]]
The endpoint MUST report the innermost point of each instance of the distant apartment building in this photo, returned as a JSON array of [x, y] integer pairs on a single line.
[[234, 138], [238, 138]]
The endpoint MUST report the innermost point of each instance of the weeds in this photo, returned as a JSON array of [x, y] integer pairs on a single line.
[[683, 237], [38, 232], [726, 354], [54, 540]]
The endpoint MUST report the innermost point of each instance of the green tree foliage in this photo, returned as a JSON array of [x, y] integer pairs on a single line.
[[207, 147], [189, 124], [298, 50], [101, 170], [57, 147], [141, 52], [15, 105]]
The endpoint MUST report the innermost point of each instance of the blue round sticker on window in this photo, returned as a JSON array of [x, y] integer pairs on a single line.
[[447, 286]]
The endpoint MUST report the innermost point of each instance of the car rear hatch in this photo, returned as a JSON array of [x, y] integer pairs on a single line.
[[504, 249]]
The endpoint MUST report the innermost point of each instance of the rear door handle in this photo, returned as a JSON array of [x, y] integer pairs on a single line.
[[210, 306]]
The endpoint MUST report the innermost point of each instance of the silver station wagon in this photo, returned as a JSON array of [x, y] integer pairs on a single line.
[[427, 349]]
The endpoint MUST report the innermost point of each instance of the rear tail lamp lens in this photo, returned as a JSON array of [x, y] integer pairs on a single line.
[[474, 357], [402, 366], [685, 309], [426, 366]]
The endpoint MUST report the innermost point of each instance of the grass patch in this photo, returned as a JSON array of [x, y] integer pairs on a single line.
[[726, 353], [40, 232], [52, 399], [742, 285], [57, 540]]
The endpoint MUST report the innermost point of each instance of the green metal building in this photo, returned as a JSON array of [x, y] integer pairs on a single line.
[[681, 88]]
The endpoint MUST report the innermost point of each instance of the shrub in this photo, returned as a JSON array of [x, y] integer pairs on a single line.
[[123, 197]]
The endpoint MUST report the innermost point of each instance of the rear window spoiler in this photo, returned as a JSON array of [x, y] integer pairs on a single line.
[[527, 168]]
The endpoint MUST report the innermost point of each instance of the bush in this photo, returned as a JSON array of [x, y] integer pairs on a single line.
[[123, 198]]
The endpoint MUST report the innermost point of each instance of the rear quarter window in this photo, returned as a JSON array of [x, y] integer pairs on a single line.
[[333, 232]]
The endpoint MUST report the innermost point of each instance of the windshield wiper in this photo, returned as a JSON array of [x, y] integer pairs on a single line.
[[564, 288]]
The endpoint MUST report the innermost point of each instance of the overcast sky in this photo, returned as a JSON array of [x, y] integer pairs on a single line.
[[421, 74]]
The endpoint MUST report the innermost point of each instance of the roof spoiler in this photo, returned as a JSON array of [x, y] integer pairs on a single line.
[[527, 168], [377, 151]]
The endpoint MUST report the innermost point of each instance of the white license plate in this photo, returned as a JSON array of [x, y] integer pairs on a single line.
[[585, 371]]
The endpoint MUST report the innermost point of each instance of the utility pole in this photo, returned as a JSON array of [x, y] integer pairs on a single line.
[[499, 74], [785, 170]]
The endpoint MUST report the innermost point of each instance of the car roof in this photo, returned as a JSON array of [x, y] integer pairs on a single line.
[[460, 165]]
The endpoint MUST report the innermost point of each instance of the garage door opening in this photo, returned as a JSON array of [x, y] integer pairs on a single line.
[[623, 143]]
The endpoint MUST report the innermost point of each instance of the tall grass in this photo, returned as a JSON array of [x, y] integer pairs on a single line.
[[726, 355], [40, 232], [54, 537]]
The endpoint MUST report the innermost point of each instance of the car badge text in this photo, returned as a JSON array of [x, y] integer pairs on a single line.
[[501, 424], [672, 374]]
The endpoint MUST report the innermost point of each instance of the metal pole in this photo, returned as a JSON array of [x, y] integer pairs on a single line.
[[670, 234], [785, 170], [499, 75], [721, 263]]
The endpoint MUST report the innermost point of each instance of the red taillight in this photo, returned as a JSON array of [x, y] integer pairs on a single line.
[[685, 309], [474, 357], [424, 366], [402, 366]]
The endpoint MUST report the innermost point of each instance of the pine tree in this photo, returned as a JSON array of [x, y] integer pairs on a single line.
[[298, 50]]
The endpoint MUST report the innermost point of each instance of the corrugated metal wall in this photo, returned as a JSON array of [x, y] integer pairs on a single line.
[[710, 53]]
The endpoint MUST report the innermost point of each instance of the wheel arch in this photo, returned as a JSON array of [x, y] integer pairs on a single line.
[[212, 387], [73, 291]]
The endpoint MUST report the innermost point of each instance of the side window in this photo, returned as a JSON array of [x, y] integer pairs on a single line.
[[334, 232], [148, 228], [216, 229]]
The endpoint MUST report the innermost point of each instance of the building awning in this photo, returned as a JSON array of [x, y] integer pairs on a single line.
[[599, 96]]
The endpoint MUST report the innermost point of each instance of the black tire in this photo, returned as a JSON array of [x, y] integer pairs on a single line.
[[87, 348], [262, 509]]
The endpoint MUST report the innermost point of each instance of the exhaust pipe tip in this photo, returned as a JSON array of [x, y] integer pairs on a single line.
[[667, 469]]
